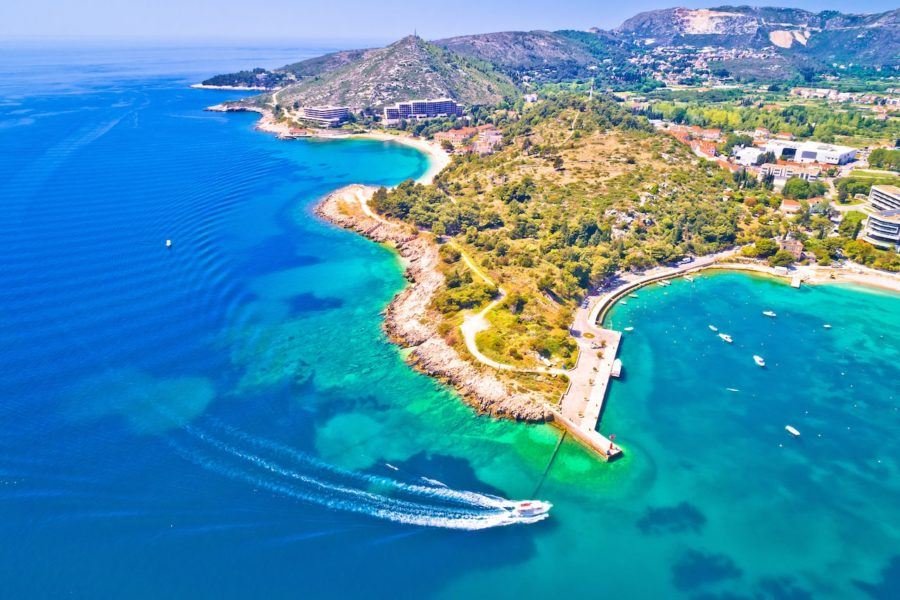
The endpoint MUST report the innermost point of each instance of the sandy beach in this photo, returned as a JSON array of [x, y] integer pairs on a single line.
[[821, 275], [438, 158]]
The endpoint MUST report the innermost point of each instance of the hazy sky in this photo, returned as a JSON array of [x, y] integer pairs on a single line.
[[296, 20]]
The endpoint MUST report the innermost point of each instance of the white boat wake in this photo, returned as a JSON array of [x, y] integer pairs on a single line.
[[285, 471]]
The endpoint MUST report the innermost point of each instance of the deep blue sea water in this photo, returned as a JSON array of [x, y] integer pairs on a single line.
[[225, 418]]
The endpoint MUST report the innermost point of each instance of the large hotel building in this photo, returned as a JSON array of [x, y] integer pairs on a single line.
[[325, 116], [421, 109], [883, 227]]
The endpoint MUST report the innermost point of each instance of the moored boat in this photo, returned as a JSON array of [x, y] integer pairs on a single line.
[[725, 337], [616, 370], [759, 360], [792, 430], [769, 313], [713, 328]]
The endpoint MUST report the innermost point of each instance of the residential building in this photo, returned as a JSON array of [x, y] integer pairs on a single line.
[[883, 229], [421, 109], [790, 207], [795, 247], [709, 135], [487, 142], [811, 152], [325, 116], [747, 156], [788, 170], [884, 197], [481, 140]]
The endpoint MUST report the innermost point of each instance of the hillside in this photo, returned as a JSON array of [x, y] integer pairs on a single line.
[[546, 55], [745, 43], [409, 68], [581, 190], [825, 37]]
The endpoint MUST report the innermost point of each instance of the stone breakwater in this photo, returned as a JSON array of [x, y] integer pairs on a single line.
[[409, 321]]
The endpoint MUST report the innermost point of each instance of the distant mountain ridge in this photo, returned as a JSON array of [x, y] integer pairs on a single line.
[[827, 36], [772, 43]]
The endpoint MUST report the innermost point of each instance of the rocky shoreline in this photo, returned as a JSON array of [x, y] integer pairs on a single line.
[[407, 320]]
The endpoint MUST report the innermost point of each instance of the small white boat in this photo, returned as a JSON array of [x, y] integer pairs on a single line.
[[665, 283], [531, 508], [792, 430], [769, 313], [688, 278], [616, 370], [632, 295], [725, 337], [713, 328], [759, 360], [629, 329], [168, 243], [623, 302], [826, 326]]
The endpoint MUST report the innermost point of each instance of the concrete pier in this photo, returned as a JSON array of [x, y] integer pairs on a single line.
[[582, 404]]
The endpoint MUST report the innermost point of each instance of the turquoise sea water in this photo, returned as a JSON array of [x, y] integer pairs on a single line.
[[225, 418]]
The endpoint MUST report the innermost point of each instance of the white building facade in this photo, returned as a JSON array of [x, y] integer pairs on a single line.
[[811, 152]]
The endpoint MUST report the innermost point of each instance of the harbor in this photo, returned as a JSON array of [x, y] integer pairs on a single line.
[[581, 406]]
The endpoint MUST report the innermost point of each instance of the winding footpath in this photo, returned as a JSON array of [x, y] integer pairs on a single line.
[[473, 324]]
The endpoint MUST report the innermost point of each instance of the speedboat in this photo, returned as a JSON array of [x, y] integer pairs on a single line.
[[759, 360], [688, 278], [713, 328], [531, 508], [792, 430], [665, 283], [725, 337], [769, 313], [629, 329], [826, 326], [632, 295], [168, 243]]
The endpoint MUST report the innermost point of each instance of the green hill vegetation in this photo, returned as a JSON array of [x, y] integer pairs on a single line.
[[824, 122], [409, 68], [551, 56], [581, 190], [253, 78]]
